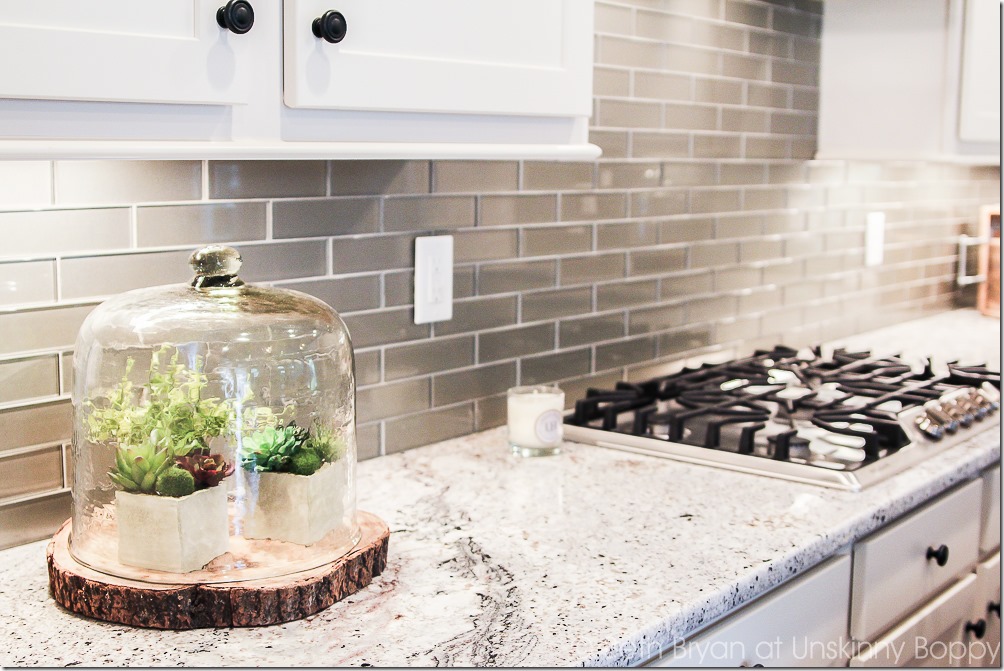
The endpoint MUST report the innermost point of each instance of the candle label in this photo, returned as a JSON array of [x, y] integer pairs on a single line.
[[548, 427]]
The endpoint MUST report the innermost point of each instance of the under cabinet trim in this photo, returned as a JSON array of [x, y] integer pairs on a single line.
[[175, 150]]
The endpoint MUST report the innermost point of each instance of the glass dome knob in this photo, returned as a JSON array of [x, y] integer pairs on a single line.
[[216, 266]]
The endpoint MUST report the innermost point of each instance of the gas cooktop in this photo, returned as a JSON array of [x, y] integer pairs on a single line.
[[844, 420]]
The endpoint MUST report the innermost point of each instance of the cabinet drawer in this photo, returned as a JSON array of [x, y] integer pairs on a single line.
[[799, 624], [892, 572], [926, 638], [990, 532], [985, 652]]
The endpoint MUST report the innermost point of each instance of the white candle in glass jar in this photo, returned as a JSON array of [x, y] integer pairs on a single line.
[[535, 419]]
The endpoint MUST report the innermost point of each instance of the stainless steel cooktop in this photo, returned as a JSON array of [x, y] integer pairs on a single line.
[[844, 420]]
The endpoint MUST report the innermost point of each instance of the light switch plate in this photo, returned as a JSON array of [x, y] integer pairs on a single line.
[[433, 278], [874, 238]]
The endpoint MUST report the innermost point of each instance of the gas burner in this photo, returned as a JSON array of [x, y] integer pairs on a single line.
[[845, 420]]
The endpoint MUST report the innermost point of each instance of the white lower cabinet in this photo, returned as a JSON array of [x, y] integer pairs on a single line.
[[990, 522], [913, 593], [910, 561], [984, 640], [932, 636], [802, 623]]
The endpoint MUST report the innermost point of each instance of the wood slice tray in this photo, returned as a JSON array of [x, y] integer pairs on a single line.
[[249, 603]]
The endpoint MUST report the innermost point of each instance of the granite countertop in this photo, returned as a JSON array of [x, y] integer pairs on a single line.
[[593, 557]]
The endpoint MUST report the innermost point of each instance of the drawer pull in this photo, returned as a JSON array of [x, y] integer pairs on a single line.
[[979, 628], [994, 607], [940, 555]]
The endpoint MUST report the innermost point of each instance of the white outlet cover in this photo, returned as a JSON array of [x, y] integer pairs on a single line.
[[433, 278], [874, 238]]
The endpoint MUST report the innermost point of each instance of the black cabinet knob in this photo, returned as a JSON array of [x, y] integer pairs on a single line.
[[979, 628], [330, 26], [994, 607], [940, 555], [237, 16]]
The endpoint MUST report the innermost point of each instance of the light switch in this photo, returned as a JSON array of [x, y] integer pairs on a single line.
[[874, 238], [433, 278]]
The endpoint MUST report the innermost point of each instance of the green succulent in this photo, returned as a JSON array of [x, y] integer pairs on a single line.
[[169, 408], [137, 468], [326, 442], [270, 449]]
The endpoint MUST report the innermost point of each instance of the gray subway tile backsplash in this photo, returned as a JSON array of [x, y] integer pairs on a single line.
[[454, 387], [497, 278], [356, 178], [27, 282], [370, 253], [345, 294], [705, 226], [428, 357], [428, 213], [200, 224], [474, 176], [515, 342], [25, 379], [330, 216], [102, 276], [552, 367], [518, 209], [34, 425], [540, 305], [33, 519], [49, 232], [107, 182], [588, 330], [556, 240], [592, 268], [38, 471], [267, 179]]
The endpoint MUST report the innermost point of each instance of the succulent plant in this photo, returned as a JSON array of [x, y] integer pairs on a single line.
[[328, 445], [169, 408], [137, 468], [271, 448], [176, 482], [208, 470]]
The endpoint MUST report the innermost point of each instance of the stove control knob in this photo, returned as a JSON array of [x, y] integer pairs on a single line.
[[959, 413], [939, 555], [982, 405], [942, 417], [929, 427], [994, 607]]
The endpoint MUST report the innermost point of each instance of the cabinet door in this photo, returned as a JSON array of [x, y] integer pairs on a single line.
[[986, 651], [932, 636], [979, 107], [990, 522], [167, 52], [894, 569], [520, 57]]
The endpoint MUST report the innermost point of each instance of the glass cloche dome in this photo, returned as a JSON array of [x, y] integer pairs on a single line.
[[214, 432]]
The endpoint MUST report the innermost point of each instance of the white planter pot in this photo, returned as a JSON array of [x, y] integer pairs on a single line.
[[298, 508], [172, 534]]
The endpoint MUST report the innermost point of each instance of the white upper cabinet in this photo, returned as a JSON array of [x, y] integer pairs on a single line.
[[168, 52], [980, 108], [513, 57], [305, 79], [910, 79]]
